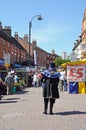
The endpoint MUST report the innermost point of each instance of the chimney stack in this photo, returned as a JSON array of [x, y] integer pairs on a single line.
[[34, 42], [25, 38], [16, 36], [7, 30]]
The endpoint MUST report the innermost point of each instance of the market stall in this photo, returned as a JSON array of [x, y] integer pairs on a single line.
[[76, 76]]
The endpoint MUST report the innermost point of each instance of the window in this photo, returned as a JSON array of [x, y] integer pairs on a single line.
[[53, 57], [12, 47], [8, 45], [3, 42], [3, 52], [47, 55]]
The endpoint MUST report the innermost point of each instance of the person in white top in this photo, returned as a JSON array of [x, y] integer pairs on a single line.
[[35, 79], [61, 82], [9, 80]]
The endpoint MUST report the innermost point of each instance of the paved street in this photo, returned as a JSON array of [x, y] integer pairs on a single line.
[[24, 111]]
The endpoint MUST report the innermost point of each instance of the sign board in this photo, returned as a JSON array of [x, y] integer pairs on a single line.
[[76, 73], [7, 58]]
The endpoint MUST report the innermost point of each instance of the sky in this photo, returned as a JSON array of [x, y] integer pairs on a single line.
[[59, 29]]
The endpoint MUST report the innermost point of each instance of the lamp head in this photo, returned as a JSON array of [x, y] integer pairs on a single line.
[[40, 17]]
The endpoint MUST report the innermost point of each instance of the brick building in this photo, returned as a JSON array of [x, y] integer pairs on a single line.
[[10, 48], [17, 49]]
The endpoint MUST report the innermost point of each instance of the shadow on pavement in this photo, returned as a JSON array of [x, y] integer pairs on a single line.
[[9, 100], [2, 102], [70, 113], [12, 98], [21, 92]]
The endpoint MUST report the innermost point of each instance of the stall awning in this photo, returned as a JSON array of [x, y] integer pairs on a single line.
[[15, 65], [73, 63]]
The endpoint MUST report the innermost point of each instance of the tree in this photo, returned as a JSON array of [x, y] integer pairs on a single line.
[[59, 61]]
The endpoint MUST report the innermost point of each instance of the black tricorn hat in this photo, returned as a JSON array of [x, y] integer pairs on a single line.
[[52, 65]]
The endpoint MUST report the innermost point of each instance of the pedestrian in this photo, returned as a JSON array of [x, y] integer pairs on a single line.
[[61, 81], [1, 87], [39, 79], [9, 80], [30, 79], [65, 82], [50, 81], [35, 79], [16, 78]]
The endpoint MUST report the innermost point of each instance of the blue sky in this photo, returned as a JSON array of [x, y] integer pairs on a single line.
[[60, 27]]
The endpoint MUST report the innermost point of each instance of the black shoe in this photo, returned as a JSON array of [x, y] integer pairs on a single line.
[[44, 112], [51, 113]]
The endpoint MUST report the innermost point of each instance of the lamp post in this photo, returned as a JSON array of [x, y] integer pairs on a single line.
[[30, 25]]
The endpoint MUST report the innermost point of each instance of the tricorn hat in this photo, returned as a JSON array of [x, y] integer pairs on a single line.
[[52, 65]]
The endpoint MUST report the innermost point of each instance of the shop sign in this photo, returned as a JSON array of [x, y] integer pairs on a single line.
[[7, 58], [35, 57]]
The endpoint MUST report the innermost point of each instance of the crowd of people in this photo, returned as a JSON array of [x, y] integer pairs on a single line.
[[11, 78]]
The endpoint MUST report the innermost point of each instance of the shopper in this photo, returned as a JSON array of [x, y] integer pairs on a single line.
[[1, 87], [35, 79], [9, 80], [61, 81], [50, 81], [39, 79]]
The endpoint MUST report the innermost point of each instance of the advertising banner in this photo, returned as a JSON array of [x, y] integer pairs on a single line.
[[35, 57], [76, 73], [7, 58]]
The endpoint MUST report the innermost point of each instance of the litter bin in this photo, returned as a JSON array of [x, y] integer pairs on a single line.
[[14, 90]]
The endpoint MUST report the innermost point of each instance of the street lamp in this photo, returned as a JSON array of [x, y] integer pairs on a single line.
[[30, 25]]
